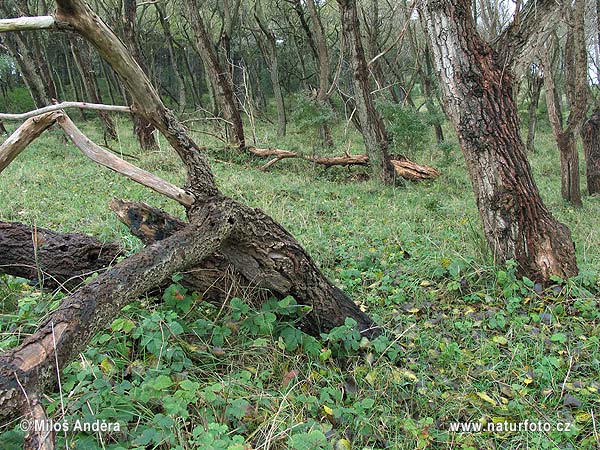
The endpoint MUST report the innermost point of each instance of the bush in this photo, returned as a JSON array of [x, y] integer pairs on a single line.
[[409, 130]]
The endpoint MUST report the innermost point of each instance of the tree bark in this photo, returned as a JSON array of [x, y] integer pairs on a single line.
[[590, 136], [220, 79], [372, 127], [143, 129], [478, 93], [52, 260]]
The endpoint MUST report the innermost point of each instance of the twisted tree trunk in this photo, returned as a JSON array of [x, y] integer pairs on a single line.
[[477, 85]]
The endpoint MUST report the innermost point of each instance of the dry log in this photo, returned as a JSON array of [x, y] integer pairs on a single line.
[[30, 368], [404, 168], [50, 259]]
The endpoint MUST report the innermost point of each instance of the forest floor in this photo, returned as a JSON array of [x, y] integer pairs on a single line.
[[465, 340]]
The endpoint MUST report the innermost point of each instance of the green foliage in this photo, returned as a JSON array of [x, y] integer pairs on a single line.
[[464, 339], [309, 115], [409, 130]]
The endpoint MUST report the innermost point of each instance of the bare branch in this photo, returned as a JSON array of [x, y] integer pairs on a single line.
[[529, 29], [27, 23], [113, 162], [25, 135], [65, 105]]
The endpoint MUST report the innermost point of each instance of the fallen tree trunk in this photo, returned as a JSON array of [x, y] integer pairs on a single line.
[[30, 368], [50, 259], [404, 168]]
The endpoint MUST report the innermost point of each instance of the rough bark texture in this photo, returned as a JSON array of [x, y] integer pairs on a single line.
[[219, 78], [372, 127], [31, 367], [51, 259], [478, 93], [590, 135], [259, 248]]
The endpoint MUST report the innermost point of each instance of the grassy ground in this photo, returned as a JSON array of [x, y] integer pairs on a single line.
[[465, 341]]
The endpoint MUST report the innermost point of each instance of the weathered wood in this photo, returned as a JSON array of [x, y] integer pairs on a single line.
[[50, 259], [590, 136], [26, 23], [24, 135], [113, 162], [404, 168], [65, 105], [31, 367]]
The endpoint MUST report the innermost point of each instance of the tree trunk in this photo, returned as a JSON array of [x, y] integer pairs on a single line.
[[83, 58], [536, 81], [142, 128], [478, 93], [590, 136], [51, 259], [372, 127], [269, 50], [323, 62], [220, 79], [576, 73], [169, 37]]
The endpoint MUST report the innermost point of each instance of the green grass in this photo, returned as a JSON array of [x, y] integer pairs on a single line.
[[465, 340]]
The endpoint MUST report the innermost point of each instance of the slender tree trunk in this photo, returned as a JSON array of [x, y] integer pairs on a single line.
[[323, 61], [478, 93], [219, 78], [590, 136], [143, 129], [83, 58], [372, 127], [269, 50], [576, 73], [169, 37], [536, 81]]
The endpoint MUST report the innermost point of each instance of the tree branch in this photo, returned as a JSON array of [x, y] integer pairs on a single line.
[[64, 105], [529, 29], [113, 162], [27, 23], [67, 330]]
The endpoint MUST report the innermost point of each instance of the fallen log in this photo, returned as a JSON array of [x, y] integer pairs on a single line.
[[50, 259], [404, 168], [27, 370]]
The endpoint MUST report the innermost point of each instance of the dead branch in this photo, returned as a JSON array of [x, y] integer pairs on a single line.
[[65, 105], [30, 368], [404, 168], [51, 259], [113, 162], [24, 135]]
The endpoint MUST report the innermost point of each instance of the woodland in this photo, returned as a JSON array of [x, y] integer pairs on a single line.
[[299, 224]]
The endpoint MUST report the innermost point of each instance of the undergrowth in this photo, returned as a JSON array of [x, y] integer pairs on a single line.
[[464, 340]]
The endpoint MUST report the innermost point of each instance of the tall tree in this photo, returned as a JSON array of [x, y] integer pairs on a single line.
[[372, 126], [220, 79], [590, 131], [268, 47], [142, 128], [576, 74], [478, 88]]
